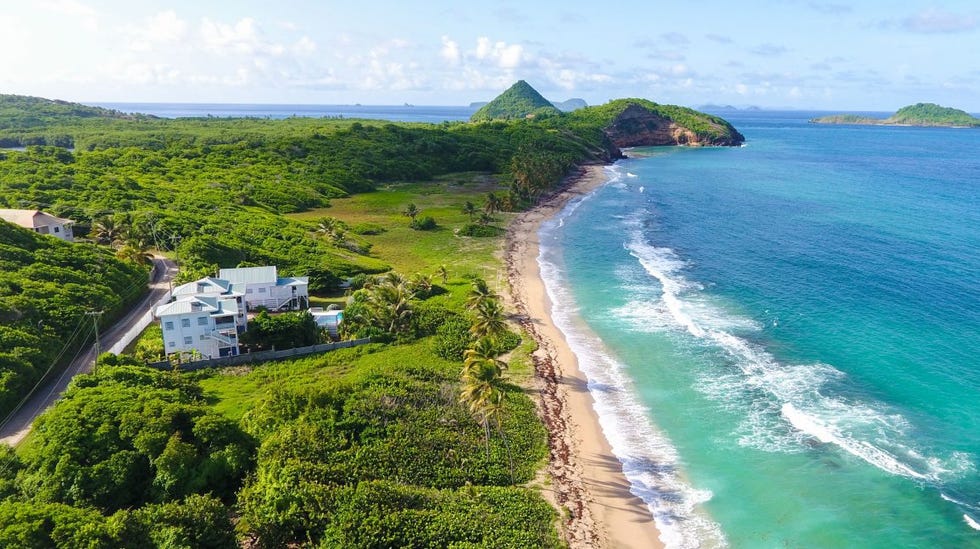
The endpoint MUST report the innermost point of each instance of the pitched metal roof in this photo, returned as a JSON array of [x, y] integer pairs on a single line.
[[215, 306], [250, 275], [32, 219]]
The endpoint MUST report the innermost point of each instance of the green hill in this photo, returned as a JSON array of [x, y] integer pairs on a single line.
[[930, 114], [21, 115], [643, 123], [518, 101], [920, 114], [24, 111]]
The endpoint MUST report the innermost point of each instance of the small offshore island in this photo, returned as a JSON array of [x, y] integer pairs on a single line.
[[920, 114]]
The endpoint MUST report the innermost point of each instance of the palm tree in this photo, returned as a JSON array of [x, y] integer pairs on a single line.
[[443, 274], [421, 284], [490, 321], [469, 209], [412, 211], [134, 253], [331, 228], [392, 278], [481, 392], [482, 355], [479, 293], [492, 204], [107, 231], [390, 303]]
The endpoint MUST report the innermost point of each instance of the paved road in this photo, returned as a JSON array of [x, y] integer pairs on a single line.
[[117, 337]]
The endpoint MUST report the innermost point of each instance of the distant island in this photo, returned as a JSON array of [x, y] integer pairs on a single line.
[[920, 114]]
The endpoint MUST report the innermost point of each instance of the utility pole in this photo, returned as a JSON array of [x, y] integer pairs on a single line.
[[96, 315]]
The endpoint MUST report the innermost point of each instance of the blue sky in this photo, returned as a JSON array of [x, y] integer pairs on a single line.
[[834, 55]]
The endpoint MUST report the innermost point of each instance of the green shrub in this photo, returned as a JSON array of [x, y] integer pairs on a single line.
[[453, 338], [424, 223], [474, 229], [365, 229], [428, 317], [507, 341]]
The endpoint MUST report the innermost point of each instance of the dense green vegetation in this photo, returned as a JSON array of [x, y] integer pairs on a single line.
[[364, 447], [920, 114], [130, 457], [21, 116], [212, 191], [586, 121], [518, 101], [46, 286]]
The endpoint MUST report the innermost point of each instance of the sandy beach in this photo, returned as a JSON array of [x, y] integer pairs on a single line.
[[586, 477]]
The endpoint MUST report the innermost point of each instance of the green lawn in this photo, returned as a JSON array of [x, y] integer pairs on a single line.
[[410, 251]]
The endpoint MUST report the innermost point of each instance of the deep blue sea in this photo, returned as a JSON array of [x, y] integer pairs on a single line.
[[403, 113], [783, 339]]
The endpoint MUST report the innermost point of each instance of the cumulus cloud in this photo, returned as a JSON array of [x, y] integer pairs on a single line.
[[242, 37], [163, 28], [450, 51], [938, 21], [504, 55]]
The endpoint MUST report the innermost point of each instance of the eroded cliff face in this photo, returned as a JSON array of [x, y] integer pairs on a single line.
[[638, 127]]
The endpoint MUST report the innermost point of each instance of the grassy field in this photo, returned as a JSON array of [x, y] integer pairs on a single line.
[[410, 251]]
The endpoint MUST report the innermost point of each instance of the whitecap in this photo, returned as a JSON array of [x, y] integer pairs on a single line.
[[649, 459], [970, 522], [786, 402]]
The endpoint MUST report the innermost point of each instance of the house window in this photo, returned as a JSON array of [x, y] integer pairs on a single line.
[[57, 230], [171, 344], [201, 287], [261, 290], [248, 290], [168, 325], [185, 322], [202, 321], [188, 340]]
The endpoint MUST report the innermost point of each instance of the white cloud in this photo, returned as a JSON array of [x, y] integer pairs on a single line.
[[82, 13], [242, 37], [504, 55], [304, 46], [450, 51], [163, 28]]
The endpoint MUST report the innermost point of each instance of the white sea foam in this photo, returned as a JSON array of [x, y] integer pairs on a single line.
[[972, 523], [650, 462], [783, 401]]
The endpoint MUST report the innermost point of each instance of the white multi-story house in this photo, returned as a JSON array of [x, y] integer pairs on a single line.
[[208, 324], [214, 287], [40, 222], [264, 288]]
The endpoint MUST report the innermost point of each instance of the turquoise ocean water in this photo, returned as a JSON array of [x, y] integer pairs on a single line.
[[783, 339]]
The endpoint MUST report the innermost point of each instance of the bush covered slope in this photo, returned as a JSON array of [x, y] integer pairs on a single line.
[[46, 286]]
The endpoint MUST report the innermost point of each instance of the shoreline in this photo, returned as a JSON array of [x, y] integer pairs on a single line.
[[589, 486]]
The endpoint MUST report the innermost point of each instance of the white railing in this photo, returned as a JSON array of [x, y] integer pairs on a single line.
[[216, 335]]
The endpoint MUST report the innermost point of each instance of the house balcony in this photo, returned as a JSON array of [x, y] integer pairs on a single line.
[[228, 337]]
